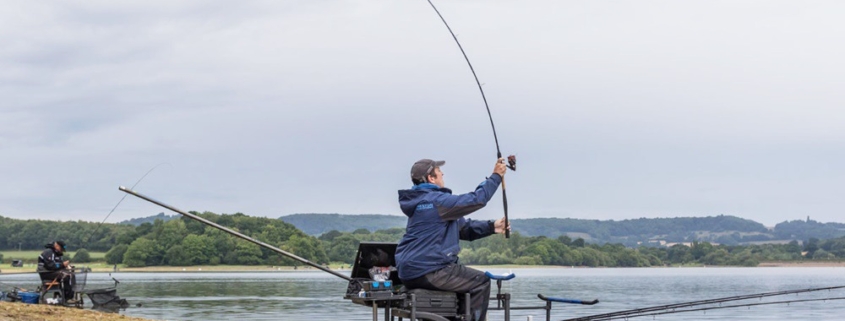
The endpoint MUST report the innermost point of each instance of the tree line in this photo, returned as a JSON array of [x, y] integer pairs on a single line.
[[177, 242], [722, 229], [34, 234], [184, 242], [541, 250]]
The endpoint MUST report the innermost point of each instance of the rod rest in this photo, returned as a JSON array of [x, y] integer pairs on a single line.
[[500, 277], [502, 299], [564, 300]]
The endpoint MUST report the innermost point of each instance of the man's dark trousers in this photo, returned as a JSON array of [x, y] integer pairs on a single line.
[[460, 279]]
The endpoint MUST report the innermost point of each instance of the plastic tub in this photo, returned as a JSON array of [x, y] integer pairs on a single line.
[[29, 297]]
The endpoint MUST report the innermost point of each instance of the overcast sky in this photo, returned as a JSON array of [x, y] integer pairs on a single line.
[[616, 109]]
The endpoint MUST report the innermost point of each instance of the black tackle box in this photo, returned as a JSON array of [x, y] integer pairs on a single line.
[[372, 254]]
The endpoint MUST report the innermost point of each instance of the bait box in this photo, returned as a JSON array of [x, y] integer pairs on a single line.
[[29, 297]]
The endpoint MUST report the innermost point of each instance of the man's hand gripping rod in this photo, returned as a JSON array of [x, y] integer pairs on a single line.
[[512, 166], [236, 234]]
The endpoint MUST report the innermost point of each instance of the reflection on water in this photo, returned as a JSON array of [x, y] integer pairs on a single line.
[[111, 307], [317, 296]]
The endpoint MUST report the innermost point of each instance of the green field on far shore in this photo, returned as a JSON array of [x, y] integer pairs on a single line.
[[32, 256]]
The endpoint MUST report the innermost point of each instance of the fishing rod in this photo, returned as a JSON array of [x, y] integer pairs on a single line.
[[643, 311], [748, 305], [115, 207], [235, 233], [511, 158]]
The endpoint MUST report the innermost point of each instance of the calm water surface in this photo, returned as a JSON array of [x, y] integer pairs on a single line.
[[317, 296]]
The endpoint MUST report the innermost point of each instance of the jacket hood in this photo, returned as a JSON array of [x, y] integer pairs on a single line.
[[410, 198]]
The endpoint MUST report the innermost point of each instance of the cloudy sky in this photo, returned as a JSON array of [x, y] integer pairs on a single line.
[[616, 109]]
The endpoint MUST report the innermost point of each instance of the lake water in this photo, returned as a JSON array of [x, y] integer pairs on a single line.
[[317, 296]]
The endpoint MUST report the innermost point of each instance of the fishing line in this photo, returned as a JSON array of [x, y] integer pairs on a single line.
[[480, 89], [118, 204], [511, 159]]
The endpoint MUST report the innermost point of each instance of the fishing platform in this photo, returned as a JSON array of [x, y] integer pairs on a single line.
[[388, 297]]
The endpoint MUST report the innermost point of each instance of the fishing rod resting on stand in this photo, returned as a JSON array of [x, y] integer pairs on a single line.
[[718, 303], [511, 158], [234, 233]]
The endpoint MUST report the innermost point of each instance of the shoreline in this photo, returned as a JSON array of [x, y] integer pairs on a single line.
[[801, 264], [345, 268], [43, 312]]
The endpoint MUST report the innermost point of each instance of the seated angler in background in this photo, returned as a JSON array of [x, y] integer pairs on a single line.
[[52, 266], [427, 256]]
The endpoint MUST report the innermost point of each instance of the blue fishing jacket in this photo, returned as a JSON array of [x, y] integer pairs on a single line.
[[436, 223]]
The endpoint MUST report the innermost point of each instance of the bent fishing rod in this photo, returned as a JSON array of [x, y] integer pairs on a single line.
[[655, 310], [511, 158], [235, 233]]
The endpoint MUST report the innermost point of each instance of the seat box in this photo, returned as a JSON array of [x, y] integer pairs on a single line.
[[437, 302]]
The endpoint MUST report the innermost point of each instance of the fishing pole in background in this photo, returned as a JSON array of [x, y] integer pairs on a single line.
[[88, 242], [511, 158]]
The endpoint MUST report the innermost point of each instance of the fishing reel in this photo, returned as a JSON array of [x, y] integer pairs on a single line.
[[512, 162]]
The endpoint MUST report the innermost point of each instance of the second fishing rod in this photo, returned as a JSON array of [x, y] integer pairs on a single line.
[[655, 310]]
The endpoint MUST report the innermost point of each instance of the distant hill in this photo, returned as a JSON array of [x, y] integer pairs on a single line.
[[149, 219], [316, 224], [719, 229], [722, 229], [802, 229]]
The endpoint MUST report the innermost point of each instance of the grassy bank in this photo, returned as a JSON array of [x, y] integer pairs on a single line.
[[102, 267], [32, 256], [30, 267], [803, 264], [41, 312]]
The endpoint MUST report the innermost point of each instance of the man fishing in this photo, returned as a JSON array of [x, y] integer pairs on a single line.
[[52, 266], [427, 256]]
